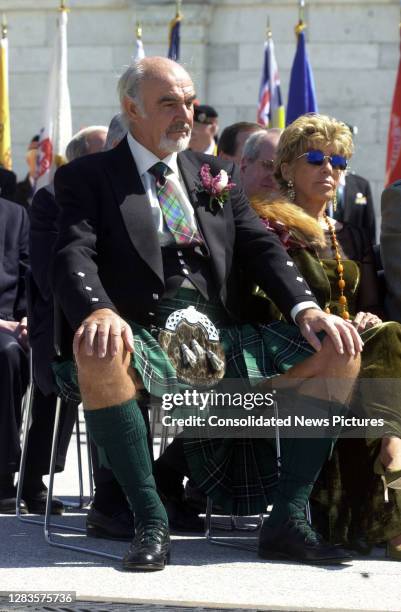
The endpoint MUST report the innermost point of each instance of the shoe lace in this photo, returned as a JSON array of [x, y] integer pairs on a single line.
[[149, 533], [305, 530]]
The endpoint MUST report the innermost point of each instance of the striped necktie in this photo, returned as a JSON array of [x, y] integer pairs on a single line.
[[173, 213]]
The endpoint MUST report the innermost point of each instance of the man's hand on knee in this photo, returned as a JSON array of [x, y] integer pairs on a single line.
[[342, 333], [105, 329]]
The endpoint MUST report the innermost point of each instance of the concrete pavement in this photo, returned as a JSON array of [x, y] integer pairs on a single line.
[[200, 574]]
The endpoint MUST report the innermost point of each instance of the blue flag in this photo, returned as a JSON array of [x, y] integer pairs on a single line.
[[174, 39], [302, 95]]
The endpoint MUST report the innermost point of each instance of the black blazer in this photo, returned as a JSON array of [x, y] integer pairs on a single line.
[[108, 254], [8, 182], [43, 214], [358, 205], [14, 227], [24, 192]]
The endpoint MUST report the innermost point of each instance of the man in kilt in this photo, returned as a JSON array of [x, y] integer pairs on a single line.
[[142, 234]]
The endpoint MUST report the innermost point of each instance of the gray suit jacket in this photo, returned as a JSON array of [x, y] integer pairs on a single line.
[[390, 243]]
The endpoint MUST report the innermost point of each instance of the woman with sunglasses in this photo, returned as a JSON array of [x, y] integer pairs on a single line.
[[337, 262]]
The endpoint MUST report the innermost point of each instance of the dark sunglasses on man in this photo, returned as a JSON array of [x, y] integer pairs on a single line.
[[317, 157]]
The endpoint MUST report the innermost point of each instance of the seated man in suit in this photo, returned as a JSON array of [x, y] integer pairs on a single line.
[[257, 163], [141, 236], [14, 373]]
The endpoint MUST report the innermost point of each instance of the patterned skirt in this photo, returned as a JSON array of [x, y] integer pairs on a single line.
[[238, 474]]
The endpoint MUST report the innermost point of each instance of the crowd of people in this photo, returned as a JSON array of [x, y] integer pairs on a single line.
[[173, 256]]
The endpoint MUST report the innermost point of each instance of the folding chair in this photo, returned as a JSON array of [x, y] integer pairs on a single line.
[[59, 340]]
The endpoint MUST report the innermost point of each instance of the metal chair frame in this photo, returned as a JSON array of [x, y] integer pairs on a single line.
[[233, 526], [26, 422], [27, 415]]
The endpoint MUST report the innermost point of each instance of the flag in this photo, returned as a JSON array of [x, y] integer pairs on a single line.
[[174, 38], [56, 129], [5, 133], [393, 163], [270, 109], [140, 51], [301, 96]]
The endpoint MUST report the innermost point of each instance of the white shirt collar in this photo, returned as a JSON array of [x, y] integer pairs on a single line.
[[145, 159], [210, 149]]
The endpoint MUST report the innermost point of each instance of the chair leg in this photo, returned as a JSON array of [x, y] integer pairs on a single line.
[[79, 457], [26, 422], [47, 523], [219, 541]]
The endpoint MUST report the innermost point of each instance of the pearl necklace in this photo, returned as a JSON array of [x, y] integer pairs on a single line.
[[340, 268]]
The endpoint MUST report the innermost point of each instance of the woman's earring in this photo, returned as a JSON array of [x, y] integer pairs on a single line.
[[291, 191], [334, 201]]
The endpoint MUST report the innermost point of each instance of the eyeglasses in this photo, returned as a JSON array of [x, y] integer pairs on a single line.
[[317, 157], [268, 164]]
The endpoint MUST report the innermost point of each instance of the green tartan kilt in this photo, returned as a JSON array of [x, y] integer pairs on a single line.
[[238, 474]]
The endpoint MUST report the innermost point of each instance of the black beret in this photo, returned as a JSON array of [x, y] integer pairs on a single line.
[[203, 113]]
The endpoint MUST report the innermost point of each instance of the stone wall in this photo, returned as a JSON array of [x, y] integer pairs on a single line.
[[353, 47]]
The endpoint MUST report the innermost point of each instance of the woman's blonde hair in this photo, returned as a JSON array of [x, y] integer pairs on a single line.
[[311, 131]]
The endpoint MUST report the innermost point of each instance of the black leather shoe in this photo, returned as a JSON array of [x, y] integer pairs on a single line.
[[118, 526], [181, 517], [36, 502], [296, 540], [150, 548], [7, 506]]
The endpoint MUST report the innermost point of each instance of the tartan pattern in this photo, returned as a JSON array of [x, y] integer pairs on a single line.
[[238, 474], [173, 213]]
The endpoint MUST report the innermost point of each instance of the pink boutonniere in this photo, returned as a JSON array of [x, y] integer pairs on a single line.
[[217, 187]]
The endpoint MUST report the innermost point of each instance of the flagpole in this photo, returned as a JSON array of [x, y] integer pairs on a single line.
[[301, 25], [4, 26], [269, 34], [138, 30], [63, 7], [178, 6]]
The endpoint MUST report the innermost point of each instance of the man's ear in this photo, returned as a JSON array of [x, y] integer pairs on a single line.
[[131, 109]]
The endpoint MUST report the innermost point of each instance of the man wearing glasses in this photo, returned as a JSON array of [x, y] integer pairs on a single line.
[[257, 163]]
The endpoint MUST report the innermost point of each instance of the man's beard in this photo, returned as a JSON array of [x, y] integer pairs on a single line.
[[175, 146]]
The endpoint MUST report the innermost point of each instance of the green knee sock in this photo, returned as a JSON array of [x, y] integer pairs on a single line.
[[302, 460], [120, 432]]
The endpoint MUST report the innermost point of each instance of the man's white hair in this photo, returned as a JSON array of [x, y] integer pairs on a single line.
[[79, 145], [129, 85], [255, 141]]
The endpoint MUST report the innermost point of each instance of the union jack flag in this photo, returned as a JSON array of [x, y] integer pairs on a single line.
[[270, 110]]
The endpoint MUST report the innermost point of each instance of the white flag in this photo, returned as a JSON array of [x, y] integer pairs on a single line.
[[140, 50], [56, 130]]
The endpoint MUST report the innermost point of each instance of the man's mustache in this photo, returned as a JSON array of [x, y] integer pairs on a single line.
[[179, 127]]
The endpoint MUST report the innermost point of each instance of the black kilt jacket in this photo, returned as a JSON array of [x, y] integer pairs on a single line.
[[108, 254]]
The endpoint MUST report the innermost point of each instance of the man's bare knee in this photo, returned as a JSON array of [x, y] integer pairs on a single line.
[[105, 381]]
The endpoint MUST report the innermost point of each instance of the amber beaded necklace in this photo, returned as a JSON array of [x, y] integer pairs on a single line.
[[340, 268]]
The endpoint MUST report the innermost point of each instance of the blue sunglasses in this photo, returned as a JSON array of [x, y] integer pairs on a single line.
[[317, 157]]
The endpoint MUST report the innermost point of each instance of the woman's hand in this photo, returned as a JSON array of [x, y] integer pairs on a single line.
[[365, 320]]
